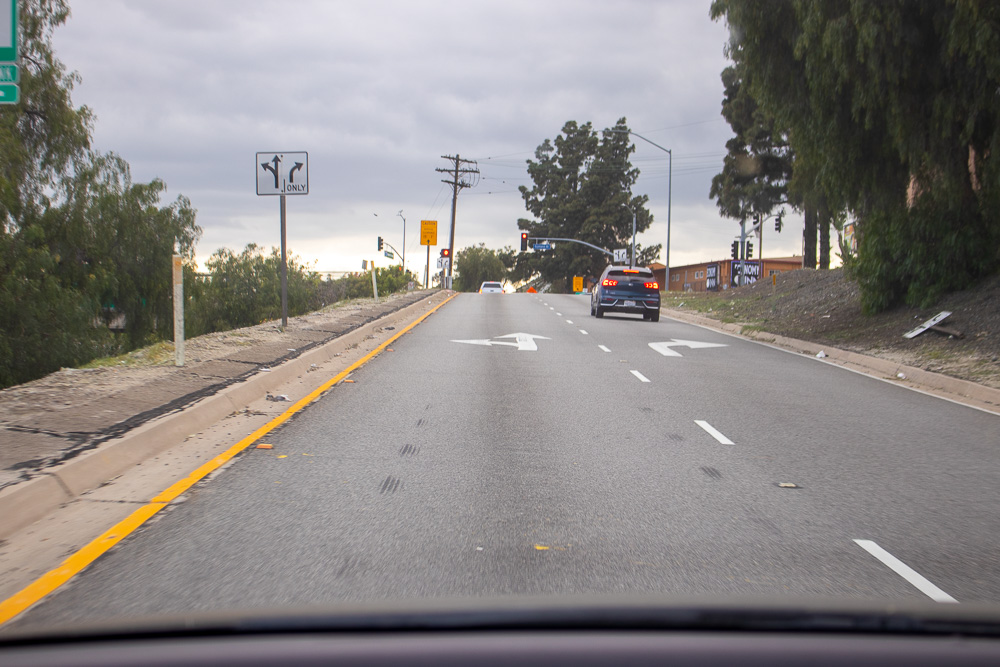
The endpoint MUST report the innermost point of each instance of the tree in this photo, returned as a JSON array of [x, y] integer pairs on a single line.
[[78, 239], [130, 239], [891, 112], [581, 183], [476, 265], [45, 321], [759, 166]]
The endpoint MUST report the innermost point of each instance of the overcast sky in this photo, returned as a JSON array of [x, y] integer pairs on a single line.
[[377, 91]]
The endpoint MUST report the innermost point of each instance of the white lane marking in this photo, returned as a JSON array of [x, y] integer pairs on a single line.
[[712, 431], [569, 321], [583, 332], [665, 348], [642, 378], [905, 571], [550, 307], [604, 347], [559, 314]]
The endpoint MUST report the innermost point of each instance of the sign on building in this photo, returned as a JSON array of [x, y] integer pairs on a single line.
[[712, 277], [744, 272]]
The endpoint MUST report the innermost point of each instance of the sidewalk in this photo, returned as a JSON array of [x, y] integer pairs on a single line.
[[57, 418]]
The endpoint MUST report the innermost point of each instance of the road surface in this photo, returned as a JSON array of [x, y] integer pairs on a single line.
[[581, 456]]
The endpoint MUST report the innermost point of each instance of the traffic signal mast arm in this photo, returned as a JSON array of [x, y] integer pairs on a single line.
[[546, 239], [393, 247]]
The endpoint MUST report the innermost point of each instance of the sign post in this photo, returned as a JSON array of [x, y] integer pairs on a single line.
[[283, 174], [428, 237], [178, 275]]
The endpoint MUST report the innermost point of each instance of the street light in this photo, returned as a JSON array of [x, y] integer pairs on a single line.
[[670, 184], [400, 214], [631, 257]]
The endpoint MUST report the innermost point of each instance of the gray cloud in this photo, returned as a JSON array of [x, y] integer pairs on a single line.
[[377, 91]]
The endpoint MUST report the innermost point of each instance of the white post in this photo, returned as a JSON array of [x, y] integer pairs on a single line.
[[374, 282], [178, 311]]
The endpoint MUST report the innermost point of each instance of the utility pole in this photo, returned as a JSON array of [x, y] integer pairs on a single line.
[[457, 182]]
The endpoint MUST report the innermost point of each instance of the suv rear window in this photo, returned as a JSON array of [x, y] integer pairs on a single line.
[[496, 285]]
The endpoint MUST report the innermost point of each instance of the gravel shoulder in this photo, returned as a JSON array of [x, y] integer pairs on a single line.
[[824, 307]]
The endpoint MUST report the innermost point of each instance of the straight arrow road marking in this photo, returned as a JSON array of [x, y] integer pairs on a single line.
[[711, 430], [905, 571], [666, 348], [522, 341]]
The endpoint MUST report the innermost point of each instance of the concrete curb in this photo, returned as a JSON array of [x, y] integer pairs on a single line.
[[960, 391], [26, 502]]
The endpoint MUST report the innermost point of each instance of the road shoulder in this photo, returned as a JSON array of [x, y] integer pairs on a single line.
[[960, 391]]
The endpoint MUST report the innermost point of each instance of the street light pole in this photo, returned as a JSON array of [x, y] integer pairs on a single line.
[[631, 257], [670, 185], [400, 214]]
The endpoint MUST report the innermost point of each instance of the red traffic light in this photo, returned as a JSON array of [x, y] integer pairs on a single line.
[[524, 241], [445, 252]]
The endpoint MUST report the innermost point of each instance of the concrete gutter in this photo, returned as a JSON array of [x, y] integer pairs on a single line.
[[961, 391], [26, 502]]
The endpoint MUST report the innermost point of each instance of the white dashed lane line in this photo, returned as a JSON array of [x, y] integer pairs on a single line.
[[642, 378], [583, 332], [905, 571], [711, 430], [604, 347], [569, 321]]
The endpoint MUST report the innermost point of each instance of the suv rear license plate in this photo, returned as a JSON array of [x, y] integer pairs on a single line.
[[629, 303]]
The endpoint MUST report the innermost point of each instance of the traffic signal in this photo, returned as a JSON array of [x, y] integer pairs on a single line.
[[749, 250], [524, 241], [446, 252], [777, 223], [380, 243], [736, 250]]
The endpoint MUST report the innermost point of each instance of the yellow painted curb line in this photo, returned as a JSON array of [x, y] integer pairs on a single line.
[[70, 567]]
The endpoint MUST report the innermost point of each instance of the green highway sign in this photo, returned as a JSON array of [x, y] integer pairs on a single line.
[[9, 93], [8, 31], [9, 73]]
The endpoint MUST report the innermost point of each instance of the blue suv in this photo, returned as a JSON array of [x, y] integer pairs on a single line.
[[625, 289]]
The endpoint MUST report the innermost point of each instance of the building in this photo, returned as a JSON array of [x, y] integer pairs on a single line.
[[722, 274]]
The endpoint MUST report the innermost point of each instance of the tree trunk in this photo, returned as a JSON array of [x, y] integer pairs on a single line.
[[809, 236], [823, 220]]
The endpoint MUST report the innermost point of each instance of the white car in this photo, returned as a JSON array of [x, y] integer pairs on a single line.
[[490, 287]]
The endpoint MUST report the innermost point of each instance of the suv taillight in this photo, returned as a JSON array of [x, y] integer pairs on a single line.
[[651, 285], [608, 282]]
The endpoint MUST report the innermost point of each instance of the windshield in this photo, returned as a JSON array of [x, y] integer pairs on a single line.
[[245, 365]]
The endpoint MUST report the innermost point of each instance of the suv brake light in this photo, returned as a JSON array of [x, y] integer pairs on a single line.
[[651, 285], [608, 282]]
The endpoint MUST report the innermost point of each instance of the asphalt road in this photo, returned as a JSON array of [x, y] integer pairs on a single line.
[[593, 463]]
